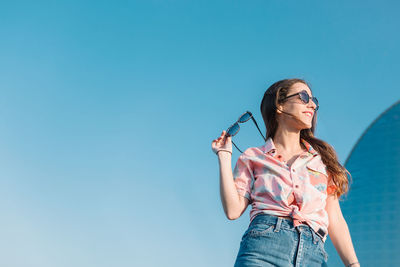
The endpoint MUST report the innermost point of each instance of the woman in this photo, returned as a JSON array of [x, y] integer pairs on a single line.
[[293, 183]]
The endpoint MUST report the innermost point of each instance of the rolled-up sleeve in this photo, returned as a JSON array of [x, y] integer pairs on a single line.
[[243, 176], [331, 187]]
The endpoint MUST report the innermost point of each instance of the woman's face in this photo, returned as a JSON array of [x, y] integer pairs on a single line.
[[295, 106]]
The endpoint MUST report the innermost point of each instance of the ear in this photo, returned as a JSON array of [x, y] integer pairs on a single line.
[[278, 109]]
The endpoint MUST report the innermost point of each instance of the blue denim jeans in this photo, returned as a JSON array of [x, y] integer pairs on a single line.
[[274, 241]]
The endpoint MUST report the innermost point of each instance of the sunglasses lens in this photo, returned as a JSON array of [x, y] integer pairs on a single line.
[[245, 117], [314, 99], [304, 97], [234, 129]]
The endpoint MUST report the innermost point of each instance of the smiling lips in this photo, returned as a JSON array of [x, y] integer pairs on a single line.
[[308, 113]]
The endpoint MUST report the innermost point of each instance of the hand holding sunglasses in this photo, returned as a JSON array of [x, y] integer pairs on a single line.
[[234, 128], [222, 143]]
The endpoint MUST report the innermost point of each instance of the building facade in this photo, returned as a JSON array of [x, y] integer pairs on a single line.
[[372, 206]]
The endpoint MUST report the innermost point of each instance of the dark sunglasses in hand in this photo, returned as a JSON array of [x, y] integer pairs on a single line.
[[305, 98], [234, 128]]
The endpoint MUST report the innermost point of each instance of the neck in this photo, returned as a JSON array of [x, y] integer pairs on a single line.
[[288, 140]]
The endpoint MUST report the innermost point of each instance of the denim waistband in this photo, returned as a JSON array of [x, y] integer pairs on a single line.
[[273, 219], [284, 223]]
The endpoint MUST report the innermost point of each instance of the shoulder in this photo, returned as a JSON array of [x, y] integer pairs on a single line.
[[250, 156], [252, 153]]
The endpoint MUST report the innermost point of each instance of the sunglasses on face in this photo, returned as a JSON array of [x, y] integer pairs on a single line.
[[234, 128], [305, 98]]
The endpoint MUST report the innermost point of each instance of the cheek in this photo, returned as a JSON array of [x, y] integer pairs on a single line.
[[297, 109]]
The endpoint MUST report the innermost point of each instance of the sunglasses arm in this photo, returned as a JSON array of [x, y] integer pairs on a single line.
[[237, 147], [258, 128]]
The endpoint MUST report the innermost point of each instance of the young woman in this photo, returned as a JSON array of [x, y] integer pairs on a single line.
[[293, 183]]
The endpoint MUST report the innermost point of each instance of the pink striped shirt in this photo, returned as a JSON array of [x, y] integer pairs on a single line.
[[273, 188]]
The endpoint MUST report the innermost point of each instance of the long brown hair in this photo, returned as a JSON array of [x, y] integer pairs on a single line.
[[272, 98]]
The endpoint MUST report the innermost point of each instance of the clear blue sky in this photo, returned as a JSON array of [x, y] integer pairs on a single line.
[[108, 110]]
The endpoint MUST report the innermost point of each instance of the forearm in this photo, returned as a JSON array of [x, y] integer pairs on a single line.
[[341, 239], [228, 192]]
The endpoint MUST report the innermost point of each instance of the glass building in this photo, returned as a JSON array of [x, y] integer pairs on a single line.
[[372, 206]]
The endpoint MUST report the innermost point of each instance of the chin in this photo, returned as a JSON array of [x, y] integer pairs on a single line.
[[306, 126]]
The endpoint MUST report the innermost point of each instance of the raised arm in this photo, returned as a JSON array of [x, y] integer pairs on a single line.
[[234, 204]]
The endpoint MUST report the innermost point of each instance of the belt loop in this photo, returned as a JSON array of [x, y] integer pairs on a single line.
[[314, 235], [278, 224]]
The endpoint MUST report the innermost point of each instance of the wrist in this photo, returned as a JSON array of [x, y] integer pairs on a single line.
[[223, 152], [354, 264]]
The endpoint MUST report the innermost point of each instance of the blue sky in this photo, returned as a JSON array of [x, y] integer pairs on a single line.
[[108, 110]]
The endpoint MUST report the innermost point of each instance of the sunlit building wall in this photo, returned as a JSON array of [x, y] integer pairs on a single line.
[[372, 207]]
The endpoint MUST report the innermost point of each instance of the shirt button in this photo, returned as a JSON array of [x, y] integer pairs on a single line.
[[297, 186]]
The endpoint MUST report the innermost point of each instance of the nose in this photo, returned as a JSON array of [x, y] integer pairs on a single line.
[[311, 104]]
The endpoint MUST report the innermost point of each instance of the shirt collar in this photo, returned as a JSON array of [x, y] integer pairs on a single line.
[[309, 148], [269, 147]]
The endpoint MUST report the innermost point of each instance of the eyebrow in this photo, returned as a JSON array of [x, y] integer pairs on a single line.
[[307, 93], [303, 90]]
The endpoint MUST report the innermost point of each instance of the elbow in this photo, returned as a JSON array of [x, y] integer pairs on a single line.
[[232, 216], [235, 212]]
